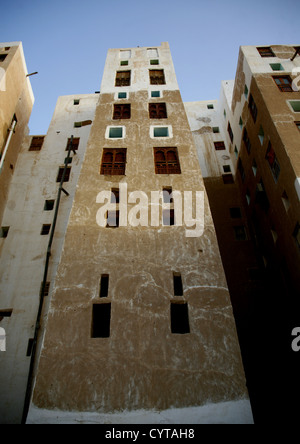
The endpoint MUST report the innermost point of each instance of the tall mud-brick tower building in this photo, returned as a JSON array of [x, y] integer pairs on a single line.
[[140, 319]]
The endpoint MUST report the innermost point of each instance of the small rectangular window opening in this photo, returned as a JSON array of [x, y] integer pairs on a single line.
[[115, 132], [179, 318], [168, 217], [36, 143], [6, 313], [45, 229], [49, 205], [29, 347], [60, 174], [177, 282], [115, 195], [4, 232], [167, 195], [101, 321], [161, 132], [155, 93], [104, 286], [46, 289], [112, 219]]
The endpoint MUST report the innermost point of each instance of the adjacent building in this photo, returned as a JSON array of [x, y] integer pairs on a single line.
[[248, 148], [16, 101], [29, 218]]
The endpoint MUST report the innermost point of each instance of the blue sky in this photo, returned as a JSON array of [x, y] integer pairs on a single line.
[[66, 41]]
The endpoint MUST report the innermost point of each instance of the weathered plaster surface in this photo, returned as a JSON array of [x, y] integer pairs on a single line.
[[142, 365], [231, 412]]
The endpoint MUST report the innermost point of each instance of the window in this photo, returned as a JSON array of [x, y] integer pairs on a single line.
[[179, 318], [112, 219], [36, 143], [210, 106], [285, 201], [273, 162], [115, 132], [154, 62], [60, 174], [76, 102], [122, 111], [297, 125], [166, 161], [167, 195], [46, 289], [115, 195], [155, 93], [104, 281], [296, 234], [75, 143], [4, 232], [240, 233], [246, 91], [248, 196], [261, 135], [113, 161], [45, 229], [216, 129], [246, 141], [253, 108], [230, 132], [219, 146], [49, 205], [124, 63], [161, 131], [101, 321], [168, 217], [284, 83], [265, 52], [276, 66], [6, 313], [157, 111], [254, 167], [226, 169], [235, 213], [29, 346], [295, 104], [177, 283], [122, 95], [157, 77], [241, 123], [2, 57], [122, 78]]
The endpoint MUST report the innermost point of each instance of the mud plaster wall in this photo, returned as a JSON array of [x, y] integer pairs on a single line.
[[142, 364]]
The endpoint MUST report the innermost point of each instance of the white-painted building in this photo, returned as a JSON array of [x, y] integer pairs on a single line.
[[29, 215]]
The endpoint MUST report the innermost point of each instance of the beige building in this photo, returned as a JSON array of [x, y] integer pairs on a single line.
[[248, 149], [140, 320]]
